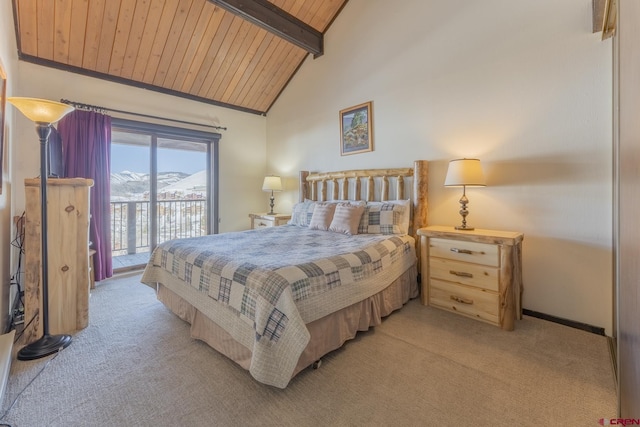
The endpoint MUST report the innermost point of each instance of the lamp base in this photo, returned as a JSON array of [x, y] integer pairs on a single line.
[[464, 227], [271, 204], [43, 347]]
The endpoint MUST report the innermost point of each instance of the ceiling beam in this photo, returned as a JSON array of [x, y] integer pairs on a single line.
[[275, 20]]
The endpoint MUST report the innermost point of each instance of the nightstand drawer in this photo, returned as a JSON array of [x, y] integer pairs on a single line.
[[264, 220], [459, 250], [465, 300], [261, 223], [475, 275]]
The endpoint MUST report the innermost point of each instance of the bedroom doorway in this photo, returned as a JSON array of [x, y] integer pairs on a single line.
[[163, 187]]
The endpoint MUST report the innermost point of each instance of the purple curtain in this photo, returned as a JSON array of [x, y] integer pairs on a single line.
[[86, 149]]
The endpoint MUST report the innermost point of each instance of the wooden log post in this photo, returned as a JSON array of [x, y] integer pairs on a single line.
[[334, 189], [384, 193]]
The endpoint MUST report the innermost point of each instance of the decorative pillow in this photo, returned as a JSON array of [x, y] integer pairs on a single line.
[[302, 213], [404, 222], [347, 218], [391, 217], [322, 216]]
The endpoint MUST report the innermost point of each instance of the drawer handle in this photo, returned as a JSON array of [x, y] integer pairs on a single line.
[[460, 273], [461, 300], [461, 251], [262, 224]]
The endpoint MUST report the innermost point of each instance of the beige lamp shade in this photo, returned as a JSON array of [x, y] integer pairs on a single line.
[[464, 172], [272, 183], [41, 110]]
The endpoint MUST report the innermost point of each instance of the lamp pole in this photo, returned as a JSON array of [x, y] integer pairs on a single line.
[[44, 130]]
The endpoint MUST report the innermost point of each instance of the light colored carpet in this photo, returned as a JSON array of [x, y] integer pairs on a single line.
[[135, 365]]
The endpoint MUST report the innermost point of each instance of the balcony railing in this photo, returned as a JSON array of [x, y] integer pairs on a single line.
[[176, 218]]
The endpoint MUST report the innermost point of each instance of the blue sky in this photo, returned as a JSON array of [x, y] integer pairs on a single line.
[[136, 159]]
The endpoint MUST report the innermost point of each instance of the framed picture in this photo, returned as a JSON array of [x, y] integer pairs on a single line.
[[3, 103], [356, 134]]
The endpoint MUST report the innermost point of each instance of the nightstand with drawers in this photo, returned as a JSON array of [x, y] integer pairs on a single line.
[[475, 273], [261, 220]]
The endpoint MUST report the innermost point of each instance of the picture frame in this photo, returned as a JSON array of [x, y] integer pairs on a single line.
[[356, 124], [609, 21]]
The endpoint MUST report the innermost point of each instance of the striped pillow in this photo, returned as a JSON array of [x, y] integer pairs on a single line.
[[346, 218], [322, 216]]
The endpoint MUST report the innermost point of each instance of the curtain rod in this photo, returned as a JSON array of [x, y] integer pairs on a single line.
[[97, 108]]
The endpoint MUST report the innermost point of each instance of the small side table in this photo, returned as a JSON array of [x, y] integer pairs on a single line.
[[261, 220], [475, 273]]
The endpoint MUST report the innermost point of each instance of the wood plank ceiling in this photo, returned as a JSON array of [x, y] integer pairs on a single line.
[[189, 48]]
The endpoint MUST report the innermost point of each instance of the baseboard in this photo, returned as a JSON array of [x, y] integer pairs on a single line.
[[6, 354], [571, 323]]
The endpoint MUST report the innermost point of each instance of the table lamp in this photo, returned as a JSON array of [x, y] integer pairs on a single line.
[[272, 183], [464, 173]]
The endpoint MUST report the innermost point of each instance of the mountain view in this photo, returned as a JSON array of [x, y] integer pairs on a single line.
[[130, 186], [181, 208]]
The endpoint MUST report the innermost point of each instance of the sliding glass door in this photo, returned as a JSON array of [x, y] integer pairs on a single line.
[[163, 187], [181, 190]]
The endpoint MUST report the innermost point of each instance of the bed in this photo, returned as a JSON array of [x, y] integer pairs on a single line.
[[276, 299]]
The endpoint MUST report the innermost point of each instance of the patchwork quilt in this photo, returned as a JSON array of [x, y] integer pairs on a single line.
[[262, 286]]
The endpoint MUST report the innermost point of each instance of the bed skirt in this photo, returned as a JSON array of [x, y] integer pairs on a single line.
[[327, 334]]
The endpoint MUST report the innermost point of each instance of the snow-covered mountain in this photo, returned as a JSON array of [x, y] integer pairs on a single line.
[[127, 176], [196, 183], [182, 207], [128, 185]]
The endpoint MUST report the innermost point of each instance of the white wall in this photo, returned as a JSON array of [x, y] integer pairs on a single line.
[[8, 59], [523, 85], [242, 146]]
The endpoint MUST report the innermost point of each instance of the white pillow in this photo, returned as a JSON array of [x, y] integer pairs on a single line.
[[346, 218], [302, 213], [322, 216]]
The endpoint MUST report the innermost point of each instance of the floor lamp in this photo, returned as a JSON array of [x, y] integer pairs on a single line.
[[43, 113]]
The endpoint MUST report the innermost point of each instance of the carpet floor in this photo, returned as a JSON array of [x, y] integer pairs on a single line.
[[136, 365]]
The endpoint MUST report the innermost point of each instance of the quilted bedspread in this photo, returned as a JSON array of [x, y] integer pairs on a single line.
[[262, 286]]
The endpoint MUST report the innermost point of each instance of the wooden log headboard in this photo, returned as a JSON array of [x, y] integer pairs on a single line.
[[313, 186]]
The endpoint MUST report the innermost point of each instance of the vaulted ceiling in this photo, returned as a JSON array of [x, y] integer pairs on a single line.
[[234, 53]]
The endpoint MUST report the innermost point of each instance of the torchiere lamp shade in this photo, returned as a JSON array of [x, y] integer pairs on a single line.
[[41, 110]]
